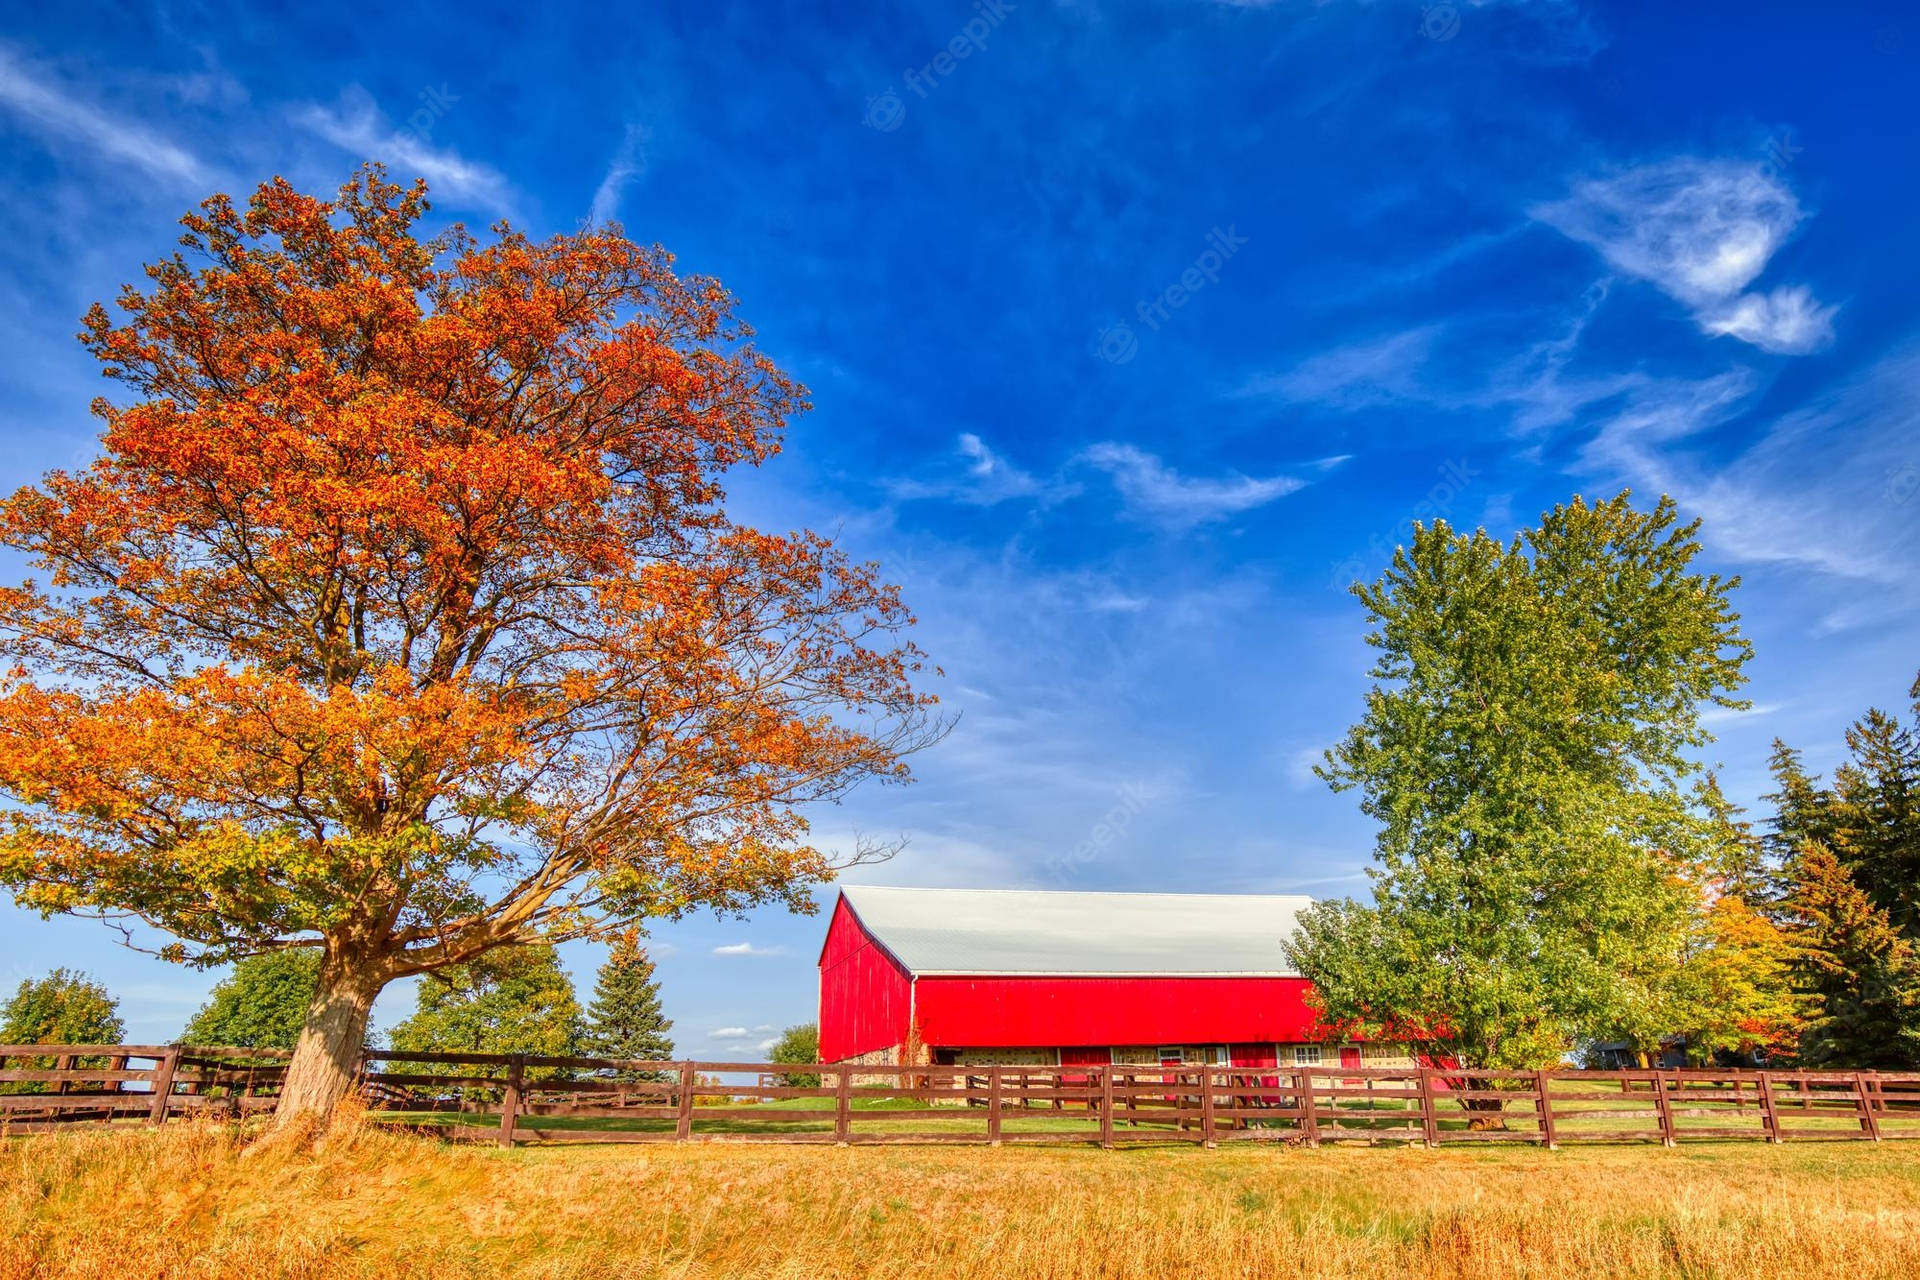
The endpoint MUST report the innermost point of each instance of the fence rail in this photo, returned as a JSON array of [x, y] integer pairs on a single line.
[[517, 1098]]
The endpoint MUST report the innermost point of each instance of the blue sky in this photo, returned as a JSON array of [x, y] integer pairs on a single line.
[[1135, 333]]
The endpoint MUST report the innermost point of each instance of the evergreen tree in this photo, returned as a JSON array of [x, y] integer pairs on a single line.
[[511, 1000], [1864, 975], [1875, 809], [625, 1019], [262, 1004], [1738, 860], [1800, 806]]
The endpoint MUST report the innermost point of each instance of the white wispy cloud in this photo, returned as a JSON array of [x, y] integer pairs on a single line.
[[748, 949], [1701, 231], [1357, 375], [978, 475], [1832, 488], [729, 1033], [1154, 491], [629, 163], [356, 124], [52, 110]]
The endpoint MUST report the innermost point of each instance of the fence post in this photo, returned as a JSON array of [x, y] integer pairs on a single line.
[[843, 1106], [1663, 1106], [163, 1085], [1206, 1107], [510, 1100], [1309, 1122], [683, 1125], [1542, 1083], [1106, 1106], [1869, 1122], [62, 1063], [993, 1106], [1429, 1114], [1769, 1117]]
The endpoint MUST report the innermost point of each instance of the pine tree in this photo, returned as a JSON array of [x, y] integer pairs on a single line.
[[1875, 810], [625, 1020], [1864, 975], [1738, 859], [1800, 805]]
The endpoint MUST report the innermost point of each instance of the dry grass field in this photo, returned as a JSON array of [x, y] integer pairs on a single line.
[[196, 1200]]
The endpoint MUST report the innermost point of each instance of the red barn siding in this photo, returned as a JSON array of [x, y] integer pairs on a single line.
[[1019, 1012], [866, 997]]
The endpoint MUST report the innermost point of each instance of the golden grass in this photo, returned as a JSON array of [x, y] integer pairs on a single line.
[[199, 1201]]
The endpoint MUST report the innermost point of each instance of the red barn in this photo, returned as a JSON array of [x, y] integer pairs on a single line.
[[1035, 978]]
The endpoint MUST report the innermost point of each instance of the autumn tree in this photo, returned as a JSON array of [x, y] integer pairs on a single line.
[[625, 1019], [1526, 749], [1741, 988], [401, 616]]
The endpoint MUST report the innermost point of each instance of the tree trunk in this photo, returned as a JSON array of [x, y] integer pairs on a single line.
[[328, 1051]]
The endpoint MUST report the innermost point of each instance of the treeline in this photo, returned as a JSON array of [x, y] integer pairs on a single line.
[[513, 1000], [1555, 873]]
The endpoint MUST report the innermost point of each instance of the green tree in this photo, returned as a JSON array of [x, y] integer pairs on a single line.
[[1525, 749], [798, 1044], [262, 1004], [513, 1000], [65, 1007], [625, 1019], [1864, 975], [1875, 810]]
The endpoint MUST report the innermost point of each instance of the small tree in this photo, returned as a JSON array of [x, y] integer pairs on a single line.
[[1741, 988], [262, 1004], [1524, 749], [625, 1019], [514, 1000], [65, 1007], [798, 1044]]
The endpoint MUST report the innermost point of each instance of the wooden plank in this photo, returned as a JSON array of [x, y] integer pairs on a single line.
[[1429, 1118], [1665, 1108], [163, 1087], [1869, 1122], [993, 1105], [510, 1101], [1106, 1107], [689, 1078], [1309, 1123], [1769, 1115], [842, 1112], [1206, 1108], [1543, 1107]]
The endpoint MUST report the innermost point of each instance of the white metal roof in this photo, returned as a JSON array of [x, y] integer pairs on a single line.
[[1022, 931]]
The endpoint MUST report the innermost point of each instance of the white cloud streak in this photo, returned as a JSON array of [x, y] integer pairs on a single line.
[[1154, 491], [357, 125], [748, 949], [57, 115], [628, 164]]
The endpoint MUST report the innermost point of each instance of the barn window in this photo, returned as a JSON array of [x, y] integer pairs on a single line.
[[1171, 1056], [1306, 1055]]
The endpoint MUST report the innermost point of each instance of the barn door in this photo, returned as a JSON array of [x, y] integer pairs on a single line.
[[1082, 1056]]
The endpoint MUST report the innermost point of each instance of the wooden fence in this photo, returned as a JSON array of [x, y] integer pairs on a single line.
[[513, 1099]]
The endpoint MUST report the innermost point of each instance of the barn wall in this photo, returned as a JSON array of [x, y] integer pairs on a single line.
[[1110, 1011], [865, 996]]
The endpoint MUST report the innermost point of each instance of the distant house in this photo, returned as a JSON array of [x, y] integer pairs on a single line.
[[1035, 978]]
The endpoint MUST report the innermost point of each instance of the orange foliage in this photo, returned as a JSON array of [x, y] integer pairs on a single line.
[[402, 612]]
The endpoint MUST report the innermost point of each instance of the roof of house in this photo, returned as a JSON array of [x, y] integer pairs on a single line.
[[1021, 931]]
